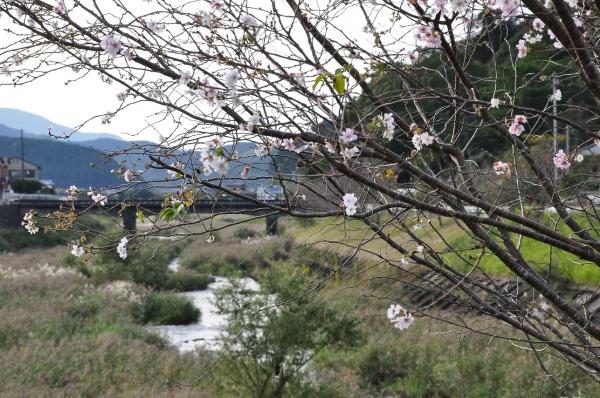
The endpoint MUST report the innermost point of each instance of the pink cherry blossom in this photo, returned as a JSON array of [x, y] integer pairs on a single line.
[[245, 172], [508, 8], [231, 78], [516, 129], [98, 198], [128, 53], [60, 7], [348, 135], [185, 78], [522, 47], [522, 119], [248, 20], [349, 153], [128, 175], [217, 5], [288, 144], [111, 44], [390, 126], [561, 160], [502, 168], [399, 316], [428, 35], [538, 25]]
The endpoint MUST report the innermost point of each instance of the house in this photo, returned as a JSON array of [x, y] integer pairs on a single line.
[[3, 174], [3, 168], [16, 167]]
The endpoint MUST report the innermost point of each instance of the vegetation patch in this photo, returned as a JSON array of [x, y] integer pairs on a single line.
[[164, 308]]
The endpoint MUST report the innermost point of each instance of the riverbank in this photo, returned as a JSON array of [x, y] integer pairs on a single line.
[[64, 333], [62, 336]]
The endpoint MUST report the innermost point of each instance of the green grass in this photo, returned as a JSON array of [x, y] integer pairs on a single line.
[[16, 239], [187, 281], [431, 359], [541, 256], [164, 308]]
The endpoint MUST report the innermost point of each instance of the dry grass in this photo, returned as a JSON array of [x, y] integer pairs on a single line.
[[61, 336]]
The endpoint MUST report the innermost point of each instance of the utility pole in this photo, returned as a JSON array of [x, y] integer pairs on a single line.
[[568, 132], [22, 161], [554, 122]]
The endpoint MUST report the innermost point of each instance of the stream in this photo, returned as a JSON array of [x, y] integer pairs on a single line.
[[204, 334]]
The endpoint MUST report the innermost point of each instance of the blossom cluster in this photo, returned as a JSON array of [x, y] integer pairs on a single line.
[[77, 250], [346, 137], [387, 122], [428, 36], [420, 137], [72, 192], [349, 204], [561, 160], [400, 317], [213, 159], [29, 222], [178, 166], [502, 168], [122, 247], [517, 128], [97, 197]]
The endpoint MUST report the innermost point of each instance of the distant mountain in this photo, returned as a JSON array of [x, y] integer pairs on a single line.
[[36, 125], [64, 163]]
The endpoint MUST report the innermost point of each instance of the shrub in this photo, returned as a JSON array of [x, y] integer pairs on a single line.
[[244, 233], [379, 365], [26, 186], [187, 281], [18, 239], [205, 266], [162, 308]]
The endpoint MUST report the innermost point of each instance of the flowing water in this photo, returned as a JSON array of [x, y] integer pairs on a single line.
[[204, 334]]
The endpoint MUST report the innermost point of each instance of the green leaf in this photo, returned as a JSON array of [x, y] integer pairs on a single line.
[[318, 80], [139, 215], [168, 214], [340, 84]]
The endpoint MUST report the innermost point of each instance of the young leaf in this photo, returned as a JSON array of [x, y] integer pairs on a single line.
[[340, 84]]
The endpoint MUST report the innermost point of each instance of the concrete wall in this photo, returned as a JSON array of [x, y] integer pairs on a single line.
[[10, 216]]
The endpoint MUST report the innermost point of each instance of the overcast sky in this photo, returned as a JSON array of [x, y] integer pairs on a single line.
[[73, 104]]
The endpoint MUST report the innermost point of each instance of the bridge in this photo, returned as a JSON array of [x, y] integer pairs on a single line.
[[11, 212]]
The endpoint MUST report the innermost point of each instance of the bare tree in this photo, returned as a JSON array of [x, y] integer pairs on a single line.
[[389, 114]]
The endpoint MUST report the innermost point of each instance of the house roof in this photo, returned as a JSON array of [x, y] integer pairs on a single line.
[[25, 161]]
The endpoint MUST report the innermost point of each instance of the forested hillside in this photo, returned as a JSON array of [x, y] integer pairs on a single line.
[[493, 73], [64, 163]]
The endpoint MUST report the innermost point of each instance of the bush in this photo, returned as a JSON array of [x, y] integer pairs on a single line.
[[244, 233], [379, 365], [26, 186], [162, 308], [148, 267], [202, 265], [18, 239], [187, 281]]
